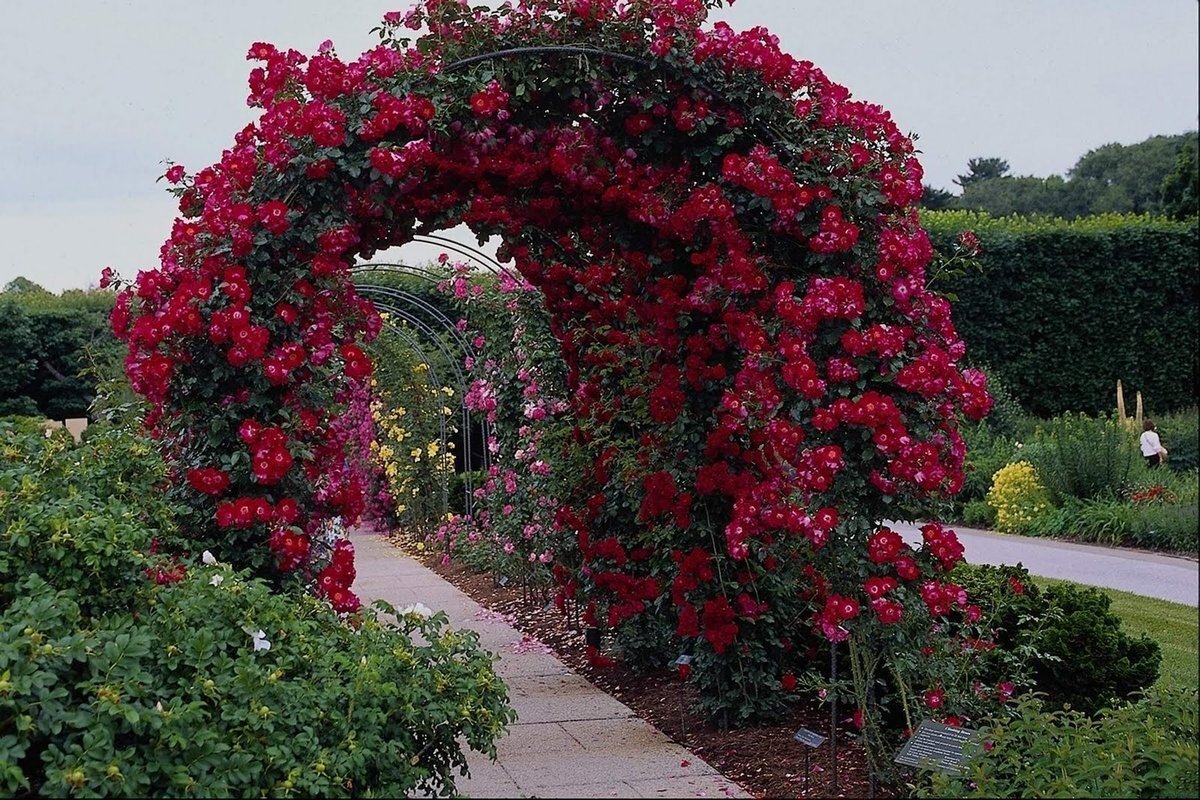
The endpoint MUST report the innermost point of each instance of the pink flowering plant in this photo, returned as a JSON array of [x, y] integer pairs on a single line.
[[728, 250], [517, 386]]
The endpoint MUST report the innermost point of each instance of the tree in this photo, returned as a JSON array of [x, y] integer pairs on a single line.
[[1178, 195], [25, 287], [1127, 178], [982, 169], [1026, 196], [935, 199]]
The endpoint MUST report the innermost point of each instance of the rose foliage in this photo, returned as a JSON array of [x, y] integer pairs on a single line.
[[727, 247]]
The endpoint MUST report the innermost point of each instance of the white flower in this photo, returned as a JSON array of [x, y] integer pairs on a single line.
[[216, 580], [420, 609], [259, 638], [208, 558]]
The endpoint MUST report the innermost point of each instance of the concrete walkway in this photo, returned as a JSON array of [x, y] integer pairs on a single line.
[[1148, 574], [570, 738]]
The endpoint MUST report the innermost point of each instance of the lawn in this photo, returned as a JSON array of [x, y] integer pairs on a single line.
[[1175, 627]]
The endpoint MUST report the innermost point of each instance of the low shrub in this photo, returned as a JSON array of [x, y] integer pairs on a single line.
[[1146, 748], [1018, 496], [1151, 516], [979, 514], [127, 673], [1084, 457], [1103, 521], [1007, 418], [986, 454], [1070, 644], [1171, 528], [1180, 434], [457, 489], [1097, 662]]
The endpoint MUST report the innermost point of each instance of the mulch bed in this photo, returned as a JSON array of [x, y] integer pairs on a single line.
[[764, 759]]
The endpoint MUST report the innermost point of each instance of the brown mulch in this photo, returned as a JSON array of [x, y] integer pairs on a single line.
[[764, 759]]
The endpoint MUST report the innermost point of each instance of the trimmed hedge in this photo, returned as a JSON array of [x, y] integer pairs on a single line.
[[1062, 310]]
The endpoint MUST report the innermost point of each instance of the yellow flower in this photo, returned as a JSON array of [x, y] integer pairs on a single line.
[[1018, 496]]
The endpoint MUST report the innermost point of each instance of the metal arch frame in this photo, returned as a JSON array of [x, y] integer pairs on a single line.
[[391, 304], [390, 298], [415, 347]]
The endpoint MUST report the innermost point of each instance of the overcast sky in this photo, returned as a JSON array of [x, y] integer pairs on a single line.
[[98, 93]]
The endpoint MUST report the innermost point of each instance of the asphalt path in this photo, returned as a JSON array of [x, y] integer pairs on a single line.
[[1172, 578]]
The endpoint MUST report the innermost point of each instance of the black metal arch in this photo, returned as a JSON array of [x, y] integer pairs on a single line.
[[423, 356], [431, 330]]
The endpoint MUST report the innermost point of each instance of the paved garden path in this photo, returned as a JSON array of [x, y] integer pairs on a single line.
[[1148, 574], [570, 738]]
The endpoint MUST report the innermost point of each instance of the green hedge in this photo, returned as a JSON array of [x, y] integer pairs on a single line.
[[1062, 310]]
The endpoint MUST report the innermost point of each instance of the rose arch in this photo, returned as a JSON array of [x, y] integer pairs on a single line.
[[728, 249]]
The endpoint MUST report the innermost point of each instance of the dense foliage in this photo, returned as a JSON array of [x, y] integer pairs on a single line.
[[127, 673], [1082, 478], [1142, 748], [1062, 310], [1070, 647], [51, 347]]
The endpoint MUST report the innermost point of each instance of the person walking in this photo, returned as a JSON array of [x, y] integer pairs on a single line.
[[1152, 448]]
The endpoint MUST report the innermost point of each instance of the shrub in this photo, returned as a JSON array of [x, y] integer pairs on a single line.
[[202, 681], [1153, 515], [1072, 646], [1097, 661], [458, 489], [1084, 457], [1146, 748], [1006, 418], [979, 514], [1018, 497], [1103, 521], [1180, 434], [986, 454], [1168, 527]]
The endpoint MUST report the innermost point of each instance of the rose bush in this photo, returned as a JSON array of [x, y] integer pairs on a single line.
[[518, 386], [728, 251]]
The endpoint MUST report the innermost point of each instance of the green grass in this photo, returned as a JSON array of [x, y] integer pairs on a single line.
[[1175, 627]]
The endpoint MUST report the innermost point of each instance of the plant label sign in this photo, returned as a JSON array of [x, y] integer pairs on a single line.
[[682, 660], [810, 738], [937, 746]]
